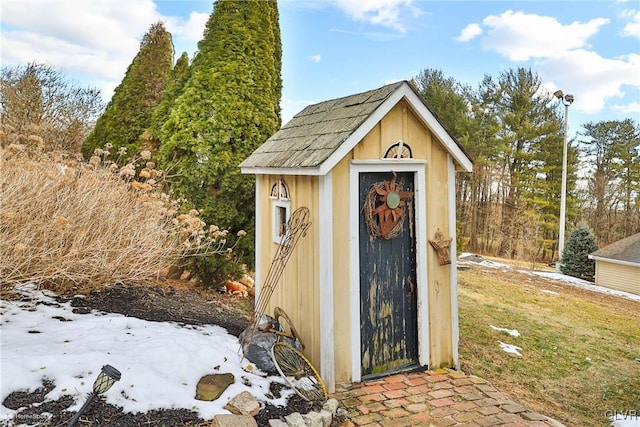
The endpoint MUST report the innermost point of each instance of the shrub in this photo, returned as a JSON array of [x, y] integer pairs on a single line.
[[66, 224], [575, 257]]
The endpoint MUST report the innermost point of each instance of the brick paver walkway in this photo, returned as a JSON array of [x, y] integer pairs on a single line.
[[434, 398]]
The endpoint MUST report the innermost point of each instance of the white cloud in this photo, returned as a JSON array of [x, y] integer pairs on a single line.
[[562, 53], [315, 58], [96, 39], [387, 13], [591, 78], [469, 32], [520, 36], [632, 108], [632, 29], [190, 31]]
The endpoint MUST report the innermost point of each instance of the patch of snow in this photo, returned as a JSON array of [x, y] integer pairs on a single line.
[[632, 419], [510, 348], [583, 284], [467, 257], [477, 259], [546, 291], [512, 332], [161, 362]]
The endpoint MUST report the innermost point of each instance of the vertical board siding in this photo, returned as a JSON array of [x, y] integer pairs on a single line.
[[341, 272], [439, 275], [298, 291]]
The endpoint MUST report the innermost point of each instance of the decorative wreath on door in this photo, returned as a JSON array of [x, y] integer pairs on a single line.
[[384, 208]]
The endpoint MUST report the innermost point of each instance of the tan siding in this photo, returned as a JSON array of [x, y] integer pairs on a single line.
[[391, 129], [297, 292], [615, 276], [341, 271], [418, 138], [369, 147], [299, 289], [438, 275]]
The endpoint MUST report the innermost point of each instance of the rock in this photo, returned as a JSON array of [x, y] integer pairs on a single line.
[[247, 280], [243, 404], [277, 423], [327, 417], [341, 412], [231, 420], [331, 405], [313, 419], [347, 423], [295, 420], [210, 387]]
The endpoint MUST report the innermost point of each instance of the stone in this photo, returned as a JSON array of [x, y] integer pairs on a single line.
[[331, 405], [295, 420], [231, 420], [210, 387], [313, 419], [277, 423], [243, 404], [327, 417]]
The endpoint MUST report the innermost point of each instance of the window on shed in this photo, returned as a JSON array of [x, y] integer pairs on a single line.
[[280, 210]]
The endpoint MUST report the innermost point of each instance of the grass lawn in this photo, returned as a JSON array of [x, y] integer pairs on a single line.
[[580, 349]]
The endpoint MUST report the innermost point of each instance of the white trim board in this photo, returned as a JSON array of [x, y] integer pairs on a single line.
[[325, 249]]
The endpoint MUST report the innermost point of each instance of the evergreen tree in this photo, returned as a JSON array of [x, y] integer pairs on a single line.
[[612, 155], [229, 107], [178, 79], [128, 113], [575, 257], [444, 95], [528, 125]]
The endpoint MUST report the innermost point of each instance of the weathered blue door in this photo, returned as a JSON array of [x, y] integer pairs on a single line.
[[388, 301]]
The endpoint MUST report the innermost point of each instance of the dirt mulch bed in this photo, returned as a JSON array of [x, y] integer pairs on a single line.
[[178, 303]]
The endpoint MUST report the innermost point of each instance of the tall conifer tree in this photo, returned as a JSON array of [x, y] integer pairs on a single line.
[[128, 113], [229, 107], [175, 86]]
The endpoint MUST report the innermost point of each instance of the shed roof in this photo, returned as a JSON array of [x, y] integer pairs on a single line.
[[319, 136], [626, 250]]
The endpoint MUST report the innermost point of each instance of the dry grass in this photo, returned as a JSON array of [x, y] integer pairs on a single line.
[[67, 225], [580, 349]]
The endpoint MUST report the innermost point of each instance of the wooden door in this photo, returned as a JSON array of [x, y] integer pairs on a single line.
[[388, 300]]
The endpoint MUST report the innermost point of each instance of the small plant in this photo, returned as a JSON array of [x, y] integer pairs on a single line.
[[575, 257]]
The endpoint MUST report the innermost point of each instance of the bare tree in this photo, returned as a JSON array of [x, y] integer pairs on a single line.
[[40, 108]]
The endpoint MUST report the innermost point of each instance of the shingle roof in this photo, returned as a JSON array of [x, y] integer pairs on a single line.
[[313, 135], [317, 131], [627, 249]]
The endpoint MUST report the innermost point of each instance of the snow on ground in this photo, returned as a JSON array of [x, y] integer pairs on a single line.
[[510, 348], [467, 257], [512, 332], [584, 284], [630, 419], [161, 363]]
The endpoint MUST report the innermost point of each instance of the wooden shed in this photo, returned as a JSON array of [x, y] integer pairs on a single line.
[[618, 265], [371, 288]]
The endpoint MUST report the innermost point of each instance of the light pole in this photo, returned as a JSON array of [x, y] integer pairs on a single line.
[[566, 101]]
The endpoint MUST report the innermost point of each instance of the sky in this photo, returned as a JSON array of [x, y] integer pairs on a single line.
[[335, 48], [68, 350]]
